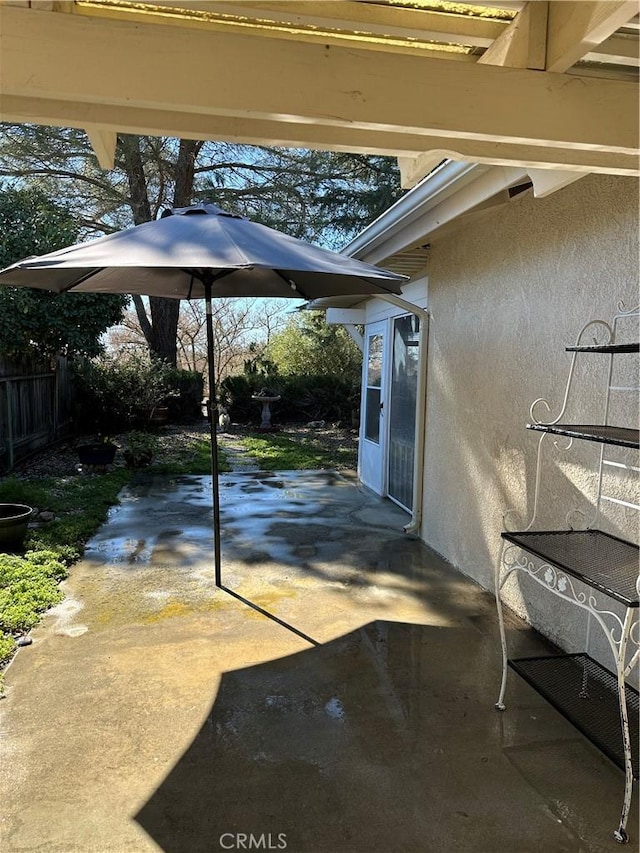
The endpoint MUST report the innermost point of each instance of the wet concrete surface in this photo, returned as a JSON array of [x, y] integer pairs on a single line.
[[336, 697]]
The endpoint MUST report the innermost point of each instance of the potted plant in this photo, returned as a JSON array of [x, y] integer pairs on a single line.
[[159, 415], [100, 452], [14, 519], [140, 449]]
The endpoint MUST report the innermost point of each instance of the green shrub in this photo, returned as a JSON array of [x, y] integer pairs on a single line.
[[188, 389], [235, 394], [304, 398], [140, 449], [116, 394]]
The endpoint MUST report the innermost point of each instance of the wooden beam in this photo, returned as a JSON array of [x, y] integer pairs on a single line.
[[576, 27], [161, 69], [524, 43], [103, 142], [620, 49], [348, 17], [416, 163], [546, 181], [138, 120], [413, 169], [197, 18]]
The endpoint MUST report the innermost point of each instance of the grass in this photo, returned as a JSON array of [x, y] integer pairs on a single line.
[[80, 504], [276, 452], [191, 458], [29, 581]]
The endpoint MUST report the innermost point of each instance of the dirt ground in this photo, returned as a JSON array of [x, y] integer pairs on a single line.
[[62, 460]]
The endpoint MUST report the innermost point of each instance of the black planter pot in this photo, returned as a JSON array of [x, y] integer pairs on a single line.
[[14, 519], [100, 453]]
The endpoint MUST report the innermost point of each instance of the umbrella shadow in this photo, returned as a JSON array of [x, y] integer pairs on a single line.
[[352, 745]]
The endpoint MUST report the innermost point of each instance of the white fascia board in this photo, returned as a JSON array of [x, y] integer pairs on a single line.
[[434, 206], [345, 316]]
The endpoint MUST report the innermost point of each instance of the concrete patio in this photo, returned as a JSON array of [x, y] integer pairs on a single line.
[[336, 697]]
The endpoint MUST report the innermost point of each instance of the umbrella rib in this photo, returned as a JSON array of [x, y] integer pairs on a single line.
[[206, 277], [291, 284], [81, 280]]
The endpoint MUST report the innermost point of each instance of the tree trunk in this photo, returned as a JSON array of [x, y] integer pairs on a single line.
[[161, 331], [130, 146]]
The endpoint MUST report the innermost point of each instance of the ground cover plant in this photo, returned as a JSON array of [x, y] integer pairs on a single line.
[[79, 503], [28, 586]]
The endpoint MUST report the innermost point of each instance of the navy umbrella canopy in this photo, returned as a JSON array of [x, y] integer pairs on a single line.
[[200, 252]]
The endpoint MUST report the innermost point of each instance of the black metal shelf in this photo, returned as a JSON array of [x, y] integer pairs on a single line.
[[611, 348], [599, 559], [586, 694], [620, 436]]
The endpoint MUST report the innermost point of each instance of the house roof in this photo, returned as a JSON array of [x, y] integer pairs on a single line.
[[548, 85]]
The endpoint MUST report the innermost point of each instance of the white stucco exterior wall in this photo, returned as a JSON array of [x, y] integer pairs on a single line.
[[507, 293]]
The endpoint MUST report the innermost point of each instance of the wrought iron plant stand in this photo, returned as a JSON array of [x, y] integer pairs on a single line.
[[585, 566]]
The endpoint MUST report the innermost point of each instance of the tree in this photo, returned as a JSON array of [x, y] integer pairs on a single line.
[[36, 321], [319, 196], [241, 331], [309, 346]]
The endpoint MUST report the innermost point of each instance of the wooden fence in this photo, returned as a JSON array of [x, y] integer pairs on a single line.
[[36, 408]]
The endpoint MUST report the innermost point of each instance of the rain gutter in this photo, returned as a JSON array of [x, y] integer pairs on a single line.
[[440, 183]]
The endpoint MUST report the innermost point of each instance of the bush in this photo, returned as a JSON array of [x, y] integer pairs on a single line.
[[304, 398], [116, 394], [235, 393], [140, 449], [188, 389]]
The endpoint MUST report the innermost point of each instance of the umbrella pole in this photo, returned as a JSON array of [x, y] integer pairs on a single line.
[[213, 424]]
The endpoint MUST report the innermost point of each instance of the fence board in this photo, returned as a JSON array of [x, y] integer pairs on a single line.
[[36, 408]]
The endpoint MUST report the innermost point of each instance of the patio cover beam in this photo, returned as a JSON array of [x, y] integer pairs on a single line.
[[576, 27], [525, 43], [384, 21], [193, 78], [408, 147]]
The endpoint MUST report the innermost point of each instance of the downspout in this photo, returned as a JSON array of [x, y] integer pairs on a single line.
[[413, 528]]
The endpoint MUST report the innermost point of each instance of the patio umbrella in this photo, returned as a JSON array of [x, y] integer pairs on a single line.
[[199, 252]]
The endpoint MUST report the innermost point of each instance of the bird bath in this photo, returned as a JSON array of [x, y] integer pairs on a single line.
[[266, 400]]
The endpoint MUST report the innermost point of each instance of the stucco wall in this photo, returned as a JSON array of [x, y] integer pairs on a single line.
[[507, 293]]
